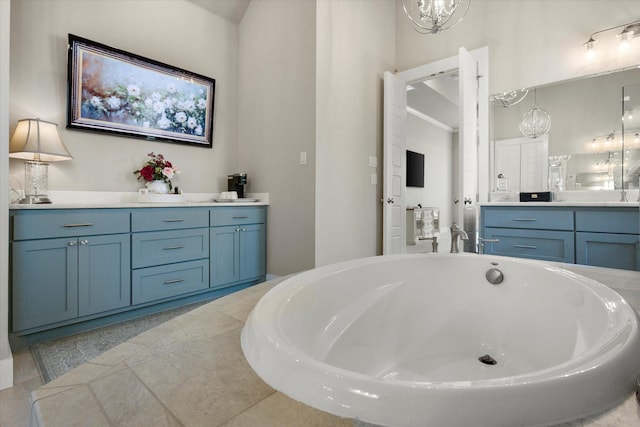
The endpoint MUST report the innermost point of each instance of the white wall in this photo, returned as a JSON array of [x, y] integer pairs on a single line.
[[437, 146], [531, 42], [175, 32], [355, 45], [277, 107], [6, 361]]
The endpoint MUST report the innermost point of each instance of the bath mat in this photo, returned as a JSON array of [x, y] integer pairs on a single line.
[[56, 357]]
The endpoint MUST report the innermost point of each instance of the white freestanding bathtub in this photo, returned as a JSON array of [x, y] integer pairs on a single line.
[[427, 340]]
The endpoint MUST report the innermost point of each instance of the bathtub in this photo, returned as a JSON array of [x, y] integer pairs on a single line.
[[427, 340]]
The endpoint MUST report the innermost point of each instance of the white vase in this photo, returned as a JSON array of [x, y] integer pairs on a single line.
[[158, 187]]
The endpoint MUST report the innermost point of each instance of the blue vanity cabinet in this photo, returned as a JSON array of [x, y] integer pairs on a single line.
[[608, 238], [68, 264], [529, 233], [598, 236], [170, 253], [238, 245]]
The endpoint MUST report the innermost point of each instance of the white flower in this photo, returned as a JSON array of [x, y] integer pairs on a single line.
[[96, 101], [202, 104], [133, 90], [113, 102], [164, 123], [181, 117], [188, 105], [148, 102], [171, 88], [158, 107], [156, 96], [191, 123], [198, 130], [169, 102]]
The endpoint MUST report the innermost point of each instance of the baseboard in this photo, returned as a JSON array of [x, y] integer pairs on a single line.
[[6, 372]]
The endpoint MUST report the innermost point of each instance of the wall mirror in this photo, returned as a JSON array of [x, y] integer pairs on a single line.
[[593, 142]]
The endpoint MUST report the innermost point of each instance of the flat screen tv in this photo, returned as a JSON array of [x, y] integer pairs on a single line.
[[415, 169]]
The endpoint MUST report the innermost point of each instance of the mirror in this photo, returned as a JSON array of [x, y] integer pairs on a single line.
[[589, 146]]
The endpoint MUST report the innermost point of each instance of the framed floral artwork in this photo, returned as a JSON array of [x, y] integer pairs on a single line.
[[113, 91]]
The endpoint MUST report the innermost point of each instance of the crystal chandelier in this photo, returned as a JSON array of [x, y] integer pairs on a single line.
[[535, 122], [508, 98], [433, 16]]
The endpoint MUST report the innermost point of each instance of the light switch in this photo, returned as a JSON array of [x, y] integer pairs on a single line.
[[374, 179], [373, 161], [303, 157]]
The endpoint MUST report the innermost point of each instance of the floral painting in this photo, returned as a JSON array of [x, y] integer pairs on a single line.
[[114, 91]]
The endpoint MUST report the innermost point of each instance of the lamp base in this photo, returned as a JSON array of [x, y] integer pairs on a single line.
[[35, 200]]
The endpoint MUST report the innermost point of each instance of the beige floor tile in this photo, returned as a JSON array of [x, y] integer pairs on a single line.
[[83, 374], [279, 410], [208, 383], [76, 407], [127, 402], [14, 403], [118, 354], [25, 368]]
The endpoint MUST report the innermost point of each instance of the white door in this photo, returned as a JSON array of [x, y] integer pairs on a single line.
[[395, 115], [524, 162], [467, 197]]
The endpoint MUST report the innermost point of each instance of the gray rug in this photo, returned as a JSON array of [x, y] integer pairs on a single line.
[[57, 357]]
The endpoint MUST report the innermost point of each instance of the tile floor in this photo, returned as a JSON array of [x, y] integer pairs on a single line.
[[190, 371]]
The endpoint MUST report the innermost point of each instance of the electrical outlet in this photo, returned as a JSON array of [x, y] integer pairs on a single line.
[[303, 157], [373, 161]]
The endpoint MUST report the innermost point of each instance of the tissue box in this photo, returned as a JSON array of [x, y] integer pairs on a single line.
[[544, 196]]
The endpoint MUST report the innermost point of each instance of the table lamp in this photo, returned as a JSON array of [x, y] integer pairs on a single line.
[[38, 142]]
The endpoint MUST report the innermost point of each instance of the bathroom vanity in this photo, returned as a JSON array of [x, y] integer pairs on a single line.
[[76, 265], [603, 235]]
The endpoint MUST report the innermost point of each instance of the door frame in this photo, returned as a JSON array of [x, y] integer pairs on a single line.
[[481, 56]]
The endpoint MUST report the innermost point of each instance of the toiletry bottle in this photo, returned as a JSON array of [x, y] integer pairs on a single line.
[[502, 183]]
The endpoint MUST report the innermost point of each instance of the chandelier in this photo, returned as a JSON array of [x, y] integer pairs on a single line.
[[535, 122], [433, 16], [508, 98]]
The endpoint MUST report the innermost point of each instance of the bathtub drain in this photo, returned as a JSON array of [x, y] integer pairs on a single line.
[[487, 360]]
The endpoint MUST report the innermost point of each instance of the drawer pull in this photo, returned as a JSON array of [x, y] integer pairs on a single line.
[[525, 246], [524, 219], [170, 282], [82, 224], [240, 216], [170, 248], [174, 220]]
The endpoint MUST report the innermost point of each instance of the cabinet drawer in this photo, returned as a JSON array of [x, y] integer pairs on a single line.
[[538, 219], [166, 247], [237, 216], [536, 244], [157, 219], [609, 221], [66, 223], [156, 283]]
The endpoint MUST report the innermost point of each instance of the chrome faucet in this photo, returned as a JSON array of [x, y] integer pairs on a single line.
[[455, 233]]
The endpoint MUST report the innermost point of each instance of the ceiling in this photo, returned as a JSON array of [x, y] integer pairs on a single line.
[[232, 10], [437, 97]]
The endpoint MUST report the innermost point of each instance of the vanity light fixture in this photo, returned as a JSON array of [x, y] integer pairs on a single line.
[[38, 142], [509, 98], [629, 31], [535, 122], [433, 16]]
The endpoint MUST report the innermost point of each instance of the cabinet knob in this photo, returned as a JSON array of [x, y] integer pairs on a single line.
[[73, 242], [84, 242]]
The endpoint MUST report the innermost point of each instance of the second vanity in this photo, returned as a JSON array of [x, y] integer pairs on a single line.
[[597, 234]]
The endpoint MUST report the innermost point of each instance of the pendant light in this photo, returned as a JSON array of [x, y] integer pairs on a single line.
[[535, 122], [433, 16]]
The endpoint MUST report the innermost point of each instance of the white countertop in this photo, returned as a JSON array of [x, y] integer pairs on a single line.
[[106, 199], [566, 203]]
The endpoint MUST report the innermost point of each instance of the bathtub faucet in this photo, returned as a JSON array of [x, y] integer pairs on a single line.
[[455, 233]]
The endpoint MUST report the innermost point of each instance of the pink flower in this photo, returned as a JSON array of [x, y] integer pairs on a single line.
[[168, 172]]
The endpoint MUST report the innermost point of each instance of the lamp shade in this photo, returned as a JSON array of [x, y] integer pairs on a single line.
[[38, 140]]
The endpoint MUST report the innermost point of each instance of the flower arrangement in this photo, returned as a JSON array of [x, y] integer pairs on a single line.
[[157, 168]]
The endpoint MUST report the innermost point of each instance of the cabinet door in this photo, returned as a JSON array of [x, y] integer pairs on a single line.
[[252, 251], [103, 273], [608, 250], [44, 282], [225, 266]]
